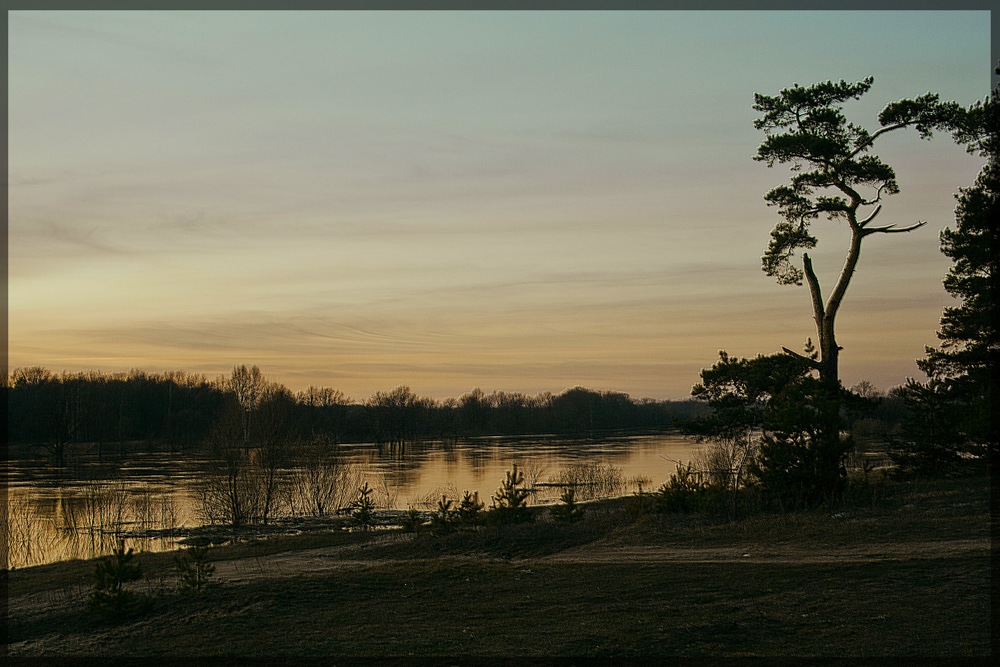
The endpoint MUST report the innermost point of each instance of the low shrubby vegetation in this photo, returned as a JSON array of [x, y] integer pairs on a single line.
[[591, 479], [111, 596], [569, 510], [195, 571], [510, 502], [363, 509]]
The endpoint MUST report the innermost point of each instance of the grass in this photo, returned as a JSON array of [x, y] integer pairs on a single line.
[[494, 592]]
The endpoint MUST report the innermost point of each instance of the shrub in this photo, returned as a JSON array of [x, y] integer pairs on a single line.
[[443, 519], [363, 508], [194, 570], [469, 508], [510, 504], [569, 511], [412, 522], [681, 492], [110, 597], [932, 442]]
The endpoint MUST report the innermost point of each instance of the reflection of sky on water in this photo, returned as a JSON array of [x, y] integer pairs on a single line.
[[60, 510], [479, 464]]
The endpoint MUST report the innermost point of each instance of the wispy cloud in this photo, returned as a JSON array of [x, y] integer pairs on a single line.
[[449, 199]]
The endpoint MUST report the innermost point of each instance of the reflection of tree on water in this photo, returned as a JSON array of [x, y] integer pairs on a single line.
[[75, 512], [85, 521], [408, 452], [27, 537], [476, 458], [450, 451]]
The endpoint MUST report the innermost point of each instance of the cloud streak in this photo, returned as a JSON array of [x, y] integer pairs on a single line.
[[445, 199]]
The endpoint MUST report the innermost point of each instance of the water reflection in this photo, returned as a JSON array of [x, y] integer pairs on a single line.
[[80, 510]]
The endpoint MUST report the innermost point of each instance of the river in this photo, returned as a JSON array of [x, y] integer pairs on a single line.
[[79, 509]]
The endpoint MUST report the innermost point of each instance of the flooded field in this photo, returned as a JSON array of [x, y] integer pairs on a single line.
[[81, 508]]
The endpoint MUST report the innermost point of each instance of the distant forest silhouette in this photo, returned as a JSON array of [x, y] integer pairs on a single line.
[[180, 408]]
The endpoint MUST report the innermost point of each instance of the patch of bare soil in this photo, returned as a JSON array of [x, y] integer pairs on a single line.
[[301, 563], [772, 553], [326, 559]]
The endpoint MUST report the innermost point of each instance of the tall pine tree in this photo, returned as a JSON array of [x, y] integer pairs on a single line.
[[963, 370]]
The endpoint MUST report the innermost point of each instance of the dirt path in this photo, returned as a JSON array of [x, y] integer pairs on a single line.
[[322, 560], [773, 553]]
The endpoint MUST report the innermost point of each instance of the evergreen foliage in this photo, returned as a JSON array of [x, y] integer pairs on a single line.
[[836, 176], [194, 570], [779, 424], [469, 508], [110, 596], [932, 441], [681, 492], [806, 127], [412, 521], [510, 503], [363, 508], [569, 511], [951, 419], [443, 520], [802, 451]]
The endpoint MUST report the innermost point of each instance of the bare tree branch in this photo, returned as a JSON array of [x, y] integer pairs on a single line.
[[877, 199], [878, 209], [893, 229]]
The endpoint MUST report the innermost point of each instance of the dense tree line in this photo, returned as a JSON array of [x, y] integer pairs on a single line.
[[56, 409], [398, 415]]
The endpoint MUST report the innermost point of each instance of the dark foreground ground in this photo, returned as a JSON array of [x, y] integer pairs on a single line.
[[903, 573]]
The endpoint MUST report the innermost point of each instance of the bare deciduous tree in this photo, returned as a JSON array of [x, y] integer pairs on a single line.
[[249, 442], [249, 387], [324, 482]]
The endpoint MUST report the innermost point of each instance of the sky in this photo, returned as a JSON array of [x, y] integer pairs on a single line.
[[516, 201]]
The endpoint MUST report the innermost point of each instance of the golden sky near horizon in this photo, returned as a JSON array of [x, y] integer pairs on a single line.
[[523, 201]]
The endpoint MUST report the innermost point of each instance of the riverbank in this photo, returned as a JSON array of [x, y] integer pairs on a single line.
[[906, 574]]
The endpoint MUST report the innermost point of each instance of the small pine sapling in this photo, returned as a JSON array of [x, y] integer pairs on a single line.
[[363, 507], [510, 504], [194, 571], [569, 511], [469, 508], [110, 576], [412, 521], [443, 519]]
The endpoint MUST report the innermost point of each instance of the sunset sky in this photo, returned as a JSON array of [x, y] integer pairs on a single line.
[[522, 201]]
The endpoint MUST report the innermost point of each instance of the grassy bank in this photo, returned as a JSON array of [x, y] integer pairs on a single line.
[[907, 574]]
